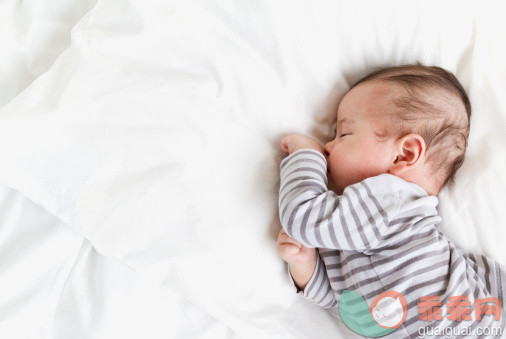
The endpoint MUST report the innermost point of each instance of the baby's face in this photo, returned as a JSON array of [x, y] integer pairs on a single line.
[[356, 153]]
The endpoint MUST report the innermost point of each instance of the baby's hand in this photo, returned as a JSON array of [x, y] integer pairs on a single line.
[[293, 252], [294, 142]]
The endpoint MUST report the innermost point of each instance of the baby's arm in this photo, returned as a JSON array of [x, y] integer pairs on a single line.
[[306, 271], [301, 259], [314, 283], [301, 274], [316, 217]]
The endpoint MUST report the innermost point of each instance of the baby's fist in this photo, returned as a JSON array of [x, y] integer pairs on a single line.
[[294, 142], [292, 251]]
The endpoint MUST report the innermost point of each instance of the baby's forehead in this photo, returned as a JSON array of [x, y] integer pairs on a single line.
[[370, 99], [378, 98]]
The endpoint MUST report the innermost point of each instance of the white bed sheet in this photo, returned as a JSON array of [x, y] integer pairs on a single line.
[[32, 35], [55, 285]]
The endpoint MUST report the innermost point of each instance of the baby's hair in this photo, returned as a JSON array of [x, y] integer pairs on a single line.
[[436, 107]]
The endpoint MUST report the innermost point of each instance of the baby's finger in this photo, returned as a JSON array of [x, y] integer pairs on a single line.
[[284, 145], [287, 250], [290, 241], [285, 238]]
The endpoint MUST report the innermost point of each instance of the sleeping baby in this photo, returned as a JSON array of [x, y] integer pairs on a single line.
[[401, 135]]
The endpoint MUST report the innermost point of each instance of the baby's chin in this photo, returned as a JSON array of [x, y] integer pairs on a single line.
[[332, 186]]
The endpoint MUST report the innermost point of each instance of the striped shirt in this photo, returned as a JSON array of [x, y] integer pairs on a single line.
[[382, 235]]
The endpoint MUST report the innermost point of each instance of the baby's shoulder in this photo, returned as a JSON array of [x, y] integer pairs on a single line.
[[391, 183], [387, 184]]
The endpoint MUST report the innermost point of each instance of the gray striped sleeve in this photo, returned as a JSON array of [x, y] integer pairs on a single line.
[[318, 289], [318, 218]]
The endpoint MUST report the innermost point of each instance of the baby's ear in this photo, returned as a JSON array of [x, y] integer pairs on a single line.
[[409, 152]]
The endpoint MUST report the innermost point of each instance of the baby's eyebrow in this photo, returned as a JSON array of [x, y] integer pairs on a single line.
[[344, 121]]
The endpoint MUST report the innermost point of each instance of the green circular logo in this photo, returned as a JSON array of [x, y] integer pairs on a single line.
[[383, 316]]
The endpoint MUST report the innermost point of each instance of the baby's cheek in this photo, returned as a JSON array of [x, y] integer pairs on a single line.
[[350, 165], [361, 166], [374, 160], [350, 171]]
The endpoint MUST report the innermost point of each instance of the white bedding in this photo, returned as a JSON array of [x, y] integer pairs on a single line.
[[54, 284], [155, 136]]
